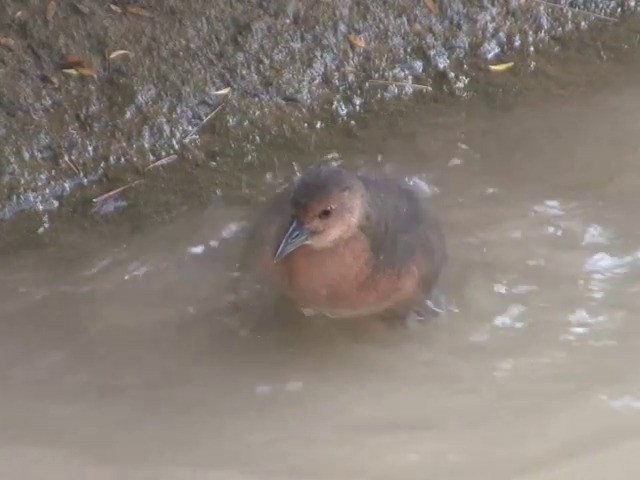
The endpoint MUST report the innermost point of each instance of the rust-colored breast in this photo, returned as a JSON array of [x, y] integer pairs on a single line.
[[339, 281]]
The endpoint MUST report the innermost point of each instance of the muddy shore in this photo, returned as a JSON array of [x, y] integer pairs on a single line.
[[289, 82]]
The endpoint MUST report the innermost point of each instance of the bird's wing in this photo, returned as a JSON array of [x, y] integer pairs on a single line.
[[399, 227]]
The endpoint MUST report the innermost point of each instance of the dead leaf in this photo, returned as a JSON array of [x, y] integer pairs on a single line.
[[115, 8], [8, 43], [224, 91], [51, 10], [74, 65], [501, 67], [72, 61], [431, 6], [119, 53], [141, 12], [356, 40]]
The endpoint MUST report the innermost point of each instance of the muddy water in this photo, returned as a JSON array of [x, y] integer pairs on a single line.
[[127, 362]]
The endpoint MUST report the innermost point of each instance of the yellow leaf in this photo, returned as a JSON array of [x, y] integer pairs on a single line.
[[119, 53], [356, 40], [431, 6], [501, 67]]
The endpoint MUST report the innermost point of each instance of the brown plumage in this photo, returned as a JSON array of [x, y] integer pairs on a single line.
[[346, 245]]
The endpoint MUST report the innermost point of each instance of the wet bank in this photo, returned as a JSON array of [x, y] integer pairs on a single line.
[[286, 80]]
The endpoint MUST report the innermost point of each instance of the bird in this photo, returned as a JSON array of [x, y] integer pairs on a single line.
[[344, 244]]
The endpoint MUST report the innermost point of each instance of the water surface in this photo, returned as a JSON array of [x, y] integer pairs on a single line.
[[127, 362]]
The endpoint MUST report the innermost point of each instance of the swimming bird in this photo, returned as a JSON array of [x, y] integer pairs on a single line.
[[346, 244]]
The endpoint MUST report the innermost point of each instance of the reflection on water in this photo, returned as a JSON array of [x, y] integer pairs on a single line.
[[129, 364]]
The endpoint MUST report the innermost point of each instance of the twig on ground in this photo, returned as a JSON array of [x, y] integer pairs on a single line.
[[399, 84], [163, 161], [72, 166], [115, 192], [202, 124]]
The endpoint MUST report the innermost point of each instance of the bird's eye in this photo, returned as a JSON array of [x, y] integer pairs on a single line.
[[324, 214]]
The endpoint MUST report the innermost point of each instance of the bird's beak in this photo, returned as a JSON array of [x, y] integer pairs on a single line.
[[295, 237]]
